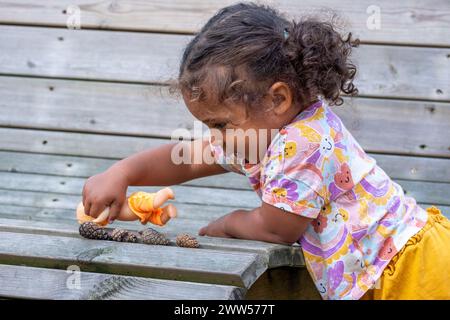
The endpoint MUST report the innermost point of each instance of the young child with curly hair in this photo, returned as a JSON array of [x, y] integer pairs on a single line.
[[250, 68]]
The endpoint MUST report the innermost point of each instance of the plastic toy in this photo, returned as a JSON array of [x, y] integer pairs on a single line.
[[140, 205]]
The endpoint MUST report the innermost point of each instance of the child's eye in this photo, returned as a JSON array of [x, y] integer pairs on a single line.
[[219, 125]]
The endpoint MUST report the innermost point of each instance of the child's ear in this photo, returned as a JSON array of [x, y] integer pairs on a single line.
[[281, 96]]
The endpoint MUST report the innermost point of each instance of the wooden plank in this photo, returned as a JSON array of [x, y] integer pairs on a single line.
[[437, 192], [397, 167], [404, 124], [428, 192], [67, 143], [276, 255], [92, 107], [74, 186], [15, 205], [69, 194], [151, 111], [86, 167], [431, 192], [70, 201], [162, 262], [188, 221], [202, 213], [136, 57], [384, 71], [39, 283], [99, 146], [411, 22], [284, 283]]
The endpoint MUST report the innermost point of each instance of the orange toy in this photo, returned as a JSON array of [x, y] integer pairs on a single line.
[[140, 205]]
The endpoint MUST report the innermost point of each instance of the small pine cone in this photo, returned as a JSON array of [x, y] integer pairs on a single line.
[[122, 235], [185, 240], [119, 235], [151, 236], [131, 237], [91, 230]]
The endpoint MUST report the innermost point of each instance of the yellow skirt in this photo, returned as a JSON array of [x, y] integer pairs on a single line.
[[421, 269]]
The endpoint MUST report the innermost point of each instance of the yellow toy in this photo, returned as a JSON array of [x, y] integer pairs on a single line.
[[139, 205]]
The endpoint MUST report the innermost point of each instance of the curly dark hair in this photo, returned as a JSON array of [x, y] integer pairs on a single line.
[[246, 47]]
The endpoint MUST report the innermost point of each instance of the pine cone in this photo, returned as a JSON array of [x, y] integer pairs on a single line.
[[185, 240], [122, 235], [151, 236], [90, 230]]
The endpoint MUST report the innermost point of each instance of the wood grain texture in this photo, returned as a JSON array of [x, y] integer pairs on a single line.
[[183, 194], [15, 210], [384, 71], [397, 167], [163, 262], [54, 133], [274, 254], [405, 22], [434, 192], [119, 147], [42, 283], [96, 107], [284, 283], [15, 205]]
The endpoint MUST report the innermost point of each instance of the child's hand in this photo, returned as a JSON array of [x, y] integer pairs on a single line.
[[266, 223], [107, 189], [215, 228]]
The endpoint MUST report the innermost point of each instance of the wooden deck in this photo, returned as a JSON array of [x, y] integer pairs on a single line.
[[75, 101]]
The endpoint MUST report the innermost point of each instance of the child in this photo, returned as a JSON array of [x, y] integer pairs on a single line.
[[249, 68]]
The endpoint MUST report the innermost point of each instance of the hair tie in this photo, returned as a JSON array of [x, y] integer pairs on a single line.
[[285, 33]]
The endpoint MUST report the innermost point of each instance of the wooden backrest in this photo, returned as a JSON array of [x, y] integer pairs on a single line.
[[109, 77]]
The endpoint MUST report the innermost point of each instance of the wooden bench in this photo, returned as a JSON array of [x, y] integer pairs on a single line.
[[75, 101]]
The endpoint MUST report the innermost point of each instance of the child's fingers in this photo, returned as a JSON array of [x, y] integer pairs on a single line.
[[114, 211], [102, 216], [170, 210], [162, 196], [202, 231], [96, 209], [87, 207]]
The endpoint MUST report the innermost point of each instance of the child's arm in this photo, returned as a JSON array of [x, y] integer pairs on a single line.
[[155, 167], [266, 223], [152, 167]]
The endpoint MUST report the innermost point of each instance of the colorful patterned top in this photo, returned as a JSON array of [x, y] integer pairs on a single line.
[[315, 168]]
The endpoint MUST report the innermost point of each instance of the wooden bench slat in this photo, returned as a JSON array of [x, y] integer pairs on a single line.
[[429, 192], [67, 201], [401, 21], [118, 147], [151, 111], [13, 214], [276, 255], [397, 167], [154, 58], [162, 262], [13, 199], [39, 110], [183, 194], [41, 283], [80, 144], [188, 223], [203, 213]]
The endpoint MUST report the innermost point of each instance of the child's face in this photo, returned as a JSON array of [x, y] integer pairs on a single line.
[[240, 131]]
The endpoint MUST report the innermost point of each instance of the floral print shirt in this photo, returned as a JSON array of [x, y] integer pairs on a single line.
[[315, 168]]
